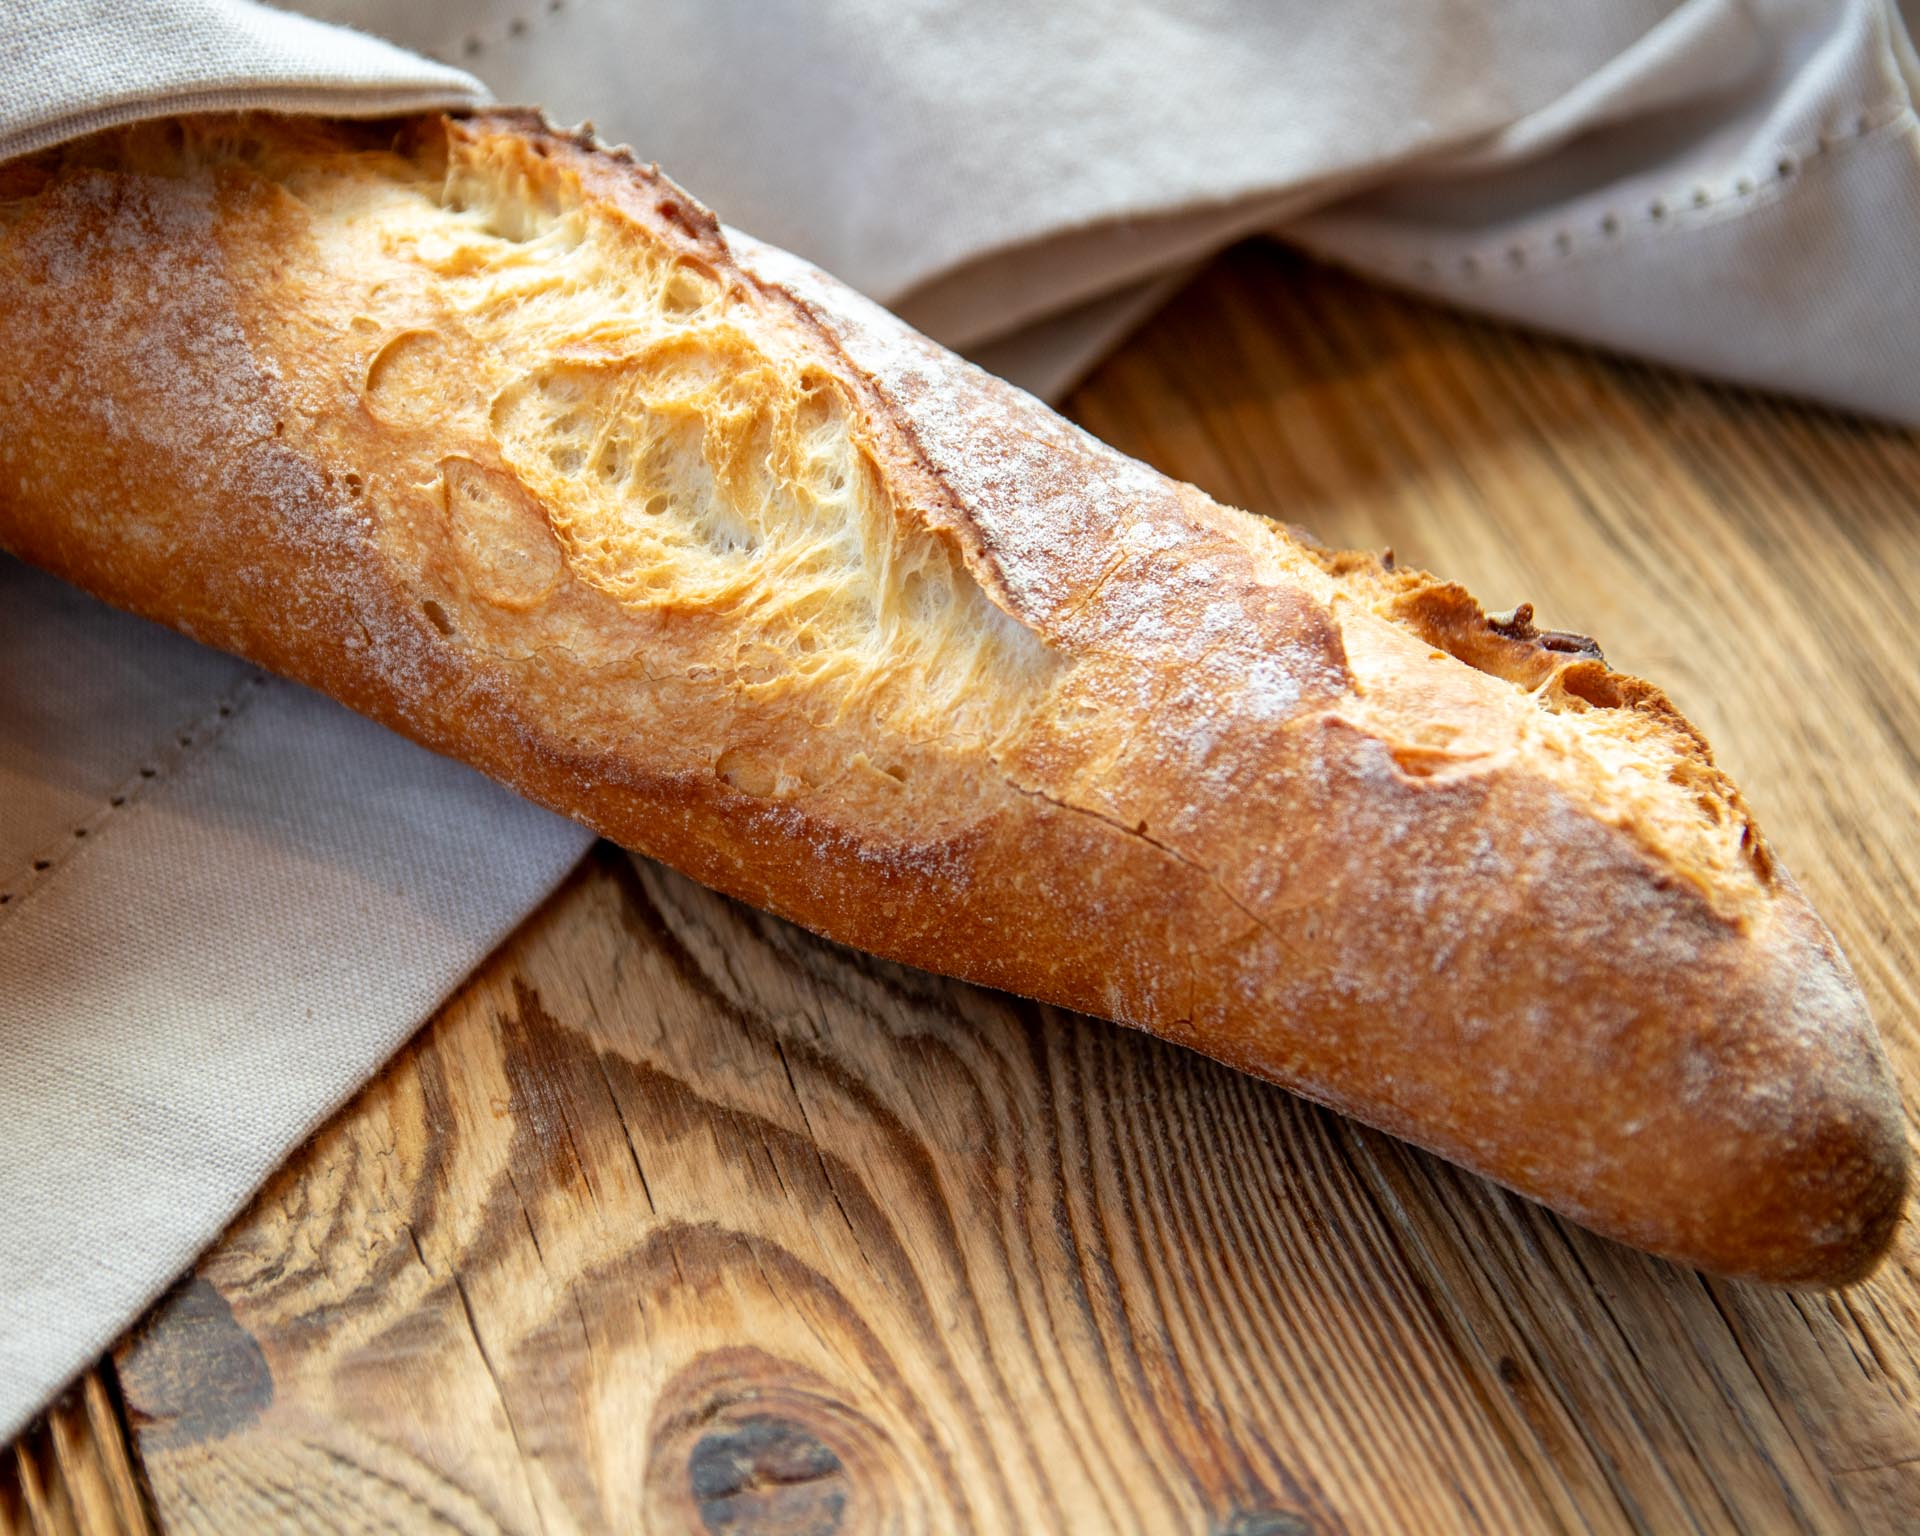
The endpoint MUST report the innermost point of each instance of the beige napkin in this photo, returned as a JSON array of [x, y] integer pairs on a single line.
[[227, 900], [1731, 185]]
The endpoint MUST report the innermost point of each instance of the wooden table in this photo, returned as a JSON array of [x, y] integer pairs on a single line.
[[677, 1218]]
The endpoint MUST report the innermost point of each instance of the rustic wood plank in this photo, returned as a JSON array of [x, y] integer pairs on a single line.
[[678, 1216], [72, 1472]]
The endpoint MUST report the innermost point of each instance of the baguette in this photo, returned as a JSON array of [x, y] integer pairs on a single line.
[[498, 437]]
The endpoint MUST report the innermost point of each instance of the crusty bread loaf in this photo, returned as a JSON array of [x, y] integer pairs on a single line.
[[498, 437]]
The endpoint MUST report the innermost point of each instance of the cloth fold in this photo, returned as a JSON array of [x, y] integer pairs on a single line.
[[75, 66], [224, 901], [1613, 172]]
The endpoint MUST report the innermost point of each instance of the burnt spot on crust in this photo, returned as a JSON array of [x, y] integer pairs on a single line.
[[674, 212], [1517, 624], [1450, 619], [1447, 617]]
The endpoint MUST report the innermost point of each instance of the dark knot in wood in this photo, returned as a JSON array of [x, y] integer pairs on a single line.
[[1266, 1522], [193, 1374], [767, 1476]]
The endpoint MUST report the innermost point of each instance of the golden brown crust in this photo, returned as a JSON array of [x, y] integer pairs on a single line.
[[501, 439]]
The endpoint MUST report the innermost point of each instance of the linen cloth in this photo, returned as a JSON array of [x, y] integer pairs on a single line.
[[1730, 185], [227, 900]]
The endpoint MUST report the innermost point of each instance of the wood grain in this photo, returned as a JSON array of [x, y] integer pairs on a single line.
[[678, 1219], [73, 1472]]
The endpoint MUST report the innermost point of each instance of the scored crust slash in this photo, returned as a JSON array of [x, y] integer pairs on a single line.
[[500, 438]]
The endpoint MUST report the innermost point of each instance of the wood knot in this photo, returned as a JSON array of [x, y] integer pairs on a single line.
[[744, 1443], [193, 1373], [767, 1476], [1265, 1522]]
